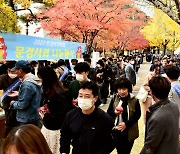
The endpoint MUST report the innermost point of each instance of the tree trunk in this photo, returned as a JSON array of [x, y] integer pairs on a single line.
[[89, 49], [91, 40], [11, 4], [158, 50], [117, 53], [164, 49], [122, 51], [165, 46]]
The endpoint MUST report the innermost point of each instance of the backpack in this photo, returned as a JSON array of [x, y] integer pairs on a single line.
[[68, 79]]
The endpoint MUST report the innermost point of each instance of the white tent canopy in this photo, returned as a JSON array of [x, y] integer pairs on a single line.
[[177, 51]]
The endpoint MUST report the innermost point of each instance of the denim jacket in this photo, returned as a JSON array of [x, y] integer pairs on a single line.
[[28, 99]]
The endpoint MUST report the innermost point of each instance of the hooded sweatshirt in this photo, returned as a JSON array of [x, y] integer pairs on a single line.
[[28, 99]]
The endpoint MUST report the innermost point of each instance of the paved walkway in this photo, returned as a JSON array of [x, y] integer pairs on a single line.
[[138, 144]]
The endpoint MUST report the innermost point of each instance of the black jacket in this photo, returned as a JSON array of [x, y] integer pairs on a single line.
[[90, 134], [58, 108]]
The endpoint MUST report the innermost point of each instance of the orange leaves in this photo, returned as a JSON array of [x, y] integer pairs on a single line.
[[90, 21]]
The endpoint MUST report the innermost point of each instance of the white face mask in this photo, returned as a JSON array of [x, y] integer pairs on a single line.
[[12, 76], [132, 62], [36, 68], [79, 77], [85, 104]]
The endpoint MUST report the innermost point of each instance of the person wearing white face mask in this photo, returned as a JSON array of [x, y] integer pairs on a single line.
[[132, 62], [7, 81], [82, 71], [12, 76], [87, 127], [28, 95], [80, 77], [130, 72], [85, 104]]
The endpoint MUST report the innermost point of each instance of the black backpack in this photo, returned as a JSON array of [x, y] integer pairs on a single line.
[[68, 78]]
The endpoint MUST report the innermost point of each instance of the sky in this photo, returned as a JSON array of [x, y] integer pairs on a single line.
[[32, 27], [144, 6]]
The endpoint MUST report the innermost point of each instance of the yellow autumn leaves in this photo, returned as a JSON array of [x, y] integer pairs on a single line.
[[26, 3], [8, 18], [161, 30], [49, 1]]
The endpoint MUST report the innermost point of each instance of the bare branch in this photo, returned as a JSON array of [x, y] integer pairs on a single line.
[[168, 9]]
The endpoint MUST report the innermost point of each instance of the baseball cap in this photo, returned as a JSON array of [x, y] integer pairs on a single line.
[[20, 64]]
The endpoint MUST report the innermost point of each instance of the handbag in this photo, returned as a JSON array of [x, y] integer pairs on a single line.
[[142, 94]]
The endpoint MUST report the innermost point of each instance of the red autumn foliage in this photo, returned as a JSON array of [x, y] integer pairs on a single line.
[[89, 21]]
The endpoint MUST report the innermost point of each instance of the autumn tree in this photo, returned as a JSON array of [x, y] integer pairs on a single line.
[[170, 7], [8, 13], [8, 18], [162, 32], [85, 20], [25, 4], [130, 38]]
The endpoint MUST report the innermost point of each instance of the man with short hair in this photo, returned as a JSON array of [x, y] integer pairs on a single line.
[[73, 64], [29, 95], [82, 70], [162, 120], [164, 63], [172, 73], [92, 72], [87, 128], [107, 77], [130, 72], [155, 62]]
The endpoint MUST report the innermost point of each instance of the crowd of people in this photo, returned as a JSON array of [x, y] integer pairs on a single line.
[[56, 105]]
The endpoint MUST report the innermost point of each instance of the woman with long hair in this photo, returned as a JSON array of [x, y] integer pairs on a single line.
[[54, 107], [26, 139]]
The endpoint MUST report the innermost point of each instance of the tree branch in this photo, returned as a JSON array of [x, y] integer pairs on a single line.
[[167, 9]]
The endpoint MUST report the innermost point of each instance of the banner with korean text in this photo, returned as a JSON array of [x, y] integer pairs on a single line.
[[23, 47]]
